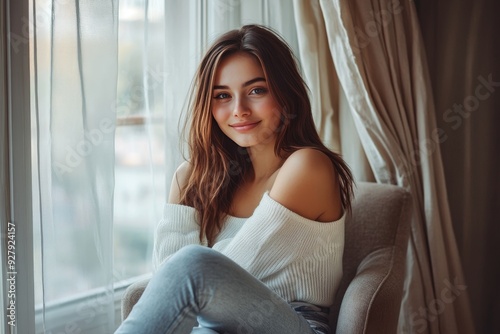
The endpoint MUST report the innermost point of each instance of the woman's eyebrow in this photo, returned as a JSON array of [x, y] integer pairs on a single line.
[[248, 83]]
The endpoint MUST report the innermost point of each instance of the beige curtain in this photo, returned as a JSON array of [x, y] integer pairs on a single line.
[[377, 51], [330, 107]]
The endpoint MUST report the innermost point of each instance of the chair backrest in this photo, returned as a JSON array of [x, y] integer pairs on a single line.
[[376, 239]]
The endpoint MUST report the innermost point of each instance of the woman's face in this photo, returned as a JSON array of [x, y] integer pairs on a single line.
[[242, 104]]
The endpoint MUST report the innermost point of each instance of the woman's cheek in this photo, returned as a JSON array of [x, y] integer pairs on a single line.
[[218, 114]]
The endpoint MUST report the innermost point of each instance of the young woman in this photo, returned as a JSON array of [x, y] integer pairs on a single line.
[[261, 191]]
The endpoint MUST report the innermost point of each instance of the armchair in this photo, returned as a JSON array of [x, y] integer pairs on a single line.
[[376, 238]]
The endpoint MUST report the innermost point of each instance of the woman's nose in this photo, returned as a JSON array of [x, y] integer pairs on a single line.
[[240, 108]]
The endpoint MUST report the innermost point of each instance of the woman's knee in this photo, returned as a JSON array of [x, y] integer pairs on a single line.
[[197, 252], [195, 256]]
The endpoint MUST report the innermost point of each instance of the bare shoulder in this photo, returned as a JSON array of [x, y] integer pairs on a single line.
[[179, 181], [307, 184]]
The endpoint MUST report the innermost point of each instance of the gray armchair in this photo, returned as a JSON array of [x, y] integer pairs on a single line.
[[376, 238]]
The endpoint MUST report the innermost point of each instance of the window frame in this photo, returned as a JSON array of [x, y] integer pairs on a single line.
[[14, 60]]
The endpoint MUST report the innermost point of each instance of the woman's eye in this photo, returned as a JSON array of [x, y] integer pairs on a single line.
[[221, 96], [258, 91]]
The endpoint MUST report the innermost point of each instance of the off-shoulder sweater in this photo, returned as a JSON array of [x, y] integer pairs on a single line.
[[298, 258]]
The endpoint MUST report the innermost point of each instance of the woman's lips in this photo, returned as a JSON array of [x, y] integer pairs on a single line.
[[244, 126]]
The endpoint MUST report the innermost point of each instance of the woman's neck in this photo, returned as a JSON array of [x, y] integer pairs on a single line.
[[264, 162]]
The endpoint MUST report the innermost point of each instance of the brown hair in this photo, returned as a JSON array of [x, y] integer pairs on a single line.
[[217, 163]]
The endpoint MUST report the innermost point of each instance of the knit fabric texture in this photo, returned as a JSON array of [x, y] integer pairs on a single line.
[[298, 258]]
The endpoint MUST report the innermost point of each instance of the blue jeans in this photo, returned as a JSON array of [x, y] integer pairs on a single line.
[[199, 284]]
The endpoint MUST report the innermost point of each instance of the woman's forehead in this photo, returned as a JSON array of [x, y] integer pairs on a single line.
[[237, 69]]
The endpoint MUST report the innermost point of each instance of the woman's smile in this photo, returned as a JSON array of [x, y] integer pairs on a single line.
[[244, 126]]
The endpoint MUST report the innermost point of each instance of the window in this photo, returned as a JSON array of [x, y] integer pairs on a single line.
[[72, 239], [94, 213]]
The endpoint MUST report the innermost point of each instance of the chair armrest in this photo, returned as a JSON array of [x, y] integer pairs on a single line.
[[132, 295], [371, 302]]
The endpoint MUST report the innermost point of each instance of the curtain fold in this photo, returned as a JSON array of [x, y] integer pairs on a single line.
[[319, 72], [75, 83], [330, 107], [379, 57]]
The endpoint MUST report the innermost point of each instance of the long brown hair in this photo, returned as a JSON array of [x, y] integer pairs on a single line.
[[217, 163]]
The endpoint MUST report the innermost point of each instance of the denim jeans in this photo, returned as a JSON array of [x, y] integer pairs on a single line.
[[200, 285]]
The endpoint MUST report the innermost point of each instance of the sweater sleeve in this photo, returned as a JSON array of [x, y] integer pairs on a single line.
[[177, 228]]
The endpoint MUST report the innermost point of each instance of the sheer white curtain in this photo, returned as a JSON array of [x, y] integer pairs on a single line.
[[111, 80], [379, 57], [75, 52]]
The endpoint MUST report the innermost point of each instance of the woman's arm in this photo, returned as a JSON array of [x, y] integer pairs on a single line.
[[178, 227], [179, 181]]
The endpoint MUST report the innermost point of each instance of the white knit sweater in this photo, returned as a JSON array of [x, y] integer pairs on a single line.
[[298, 258]]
